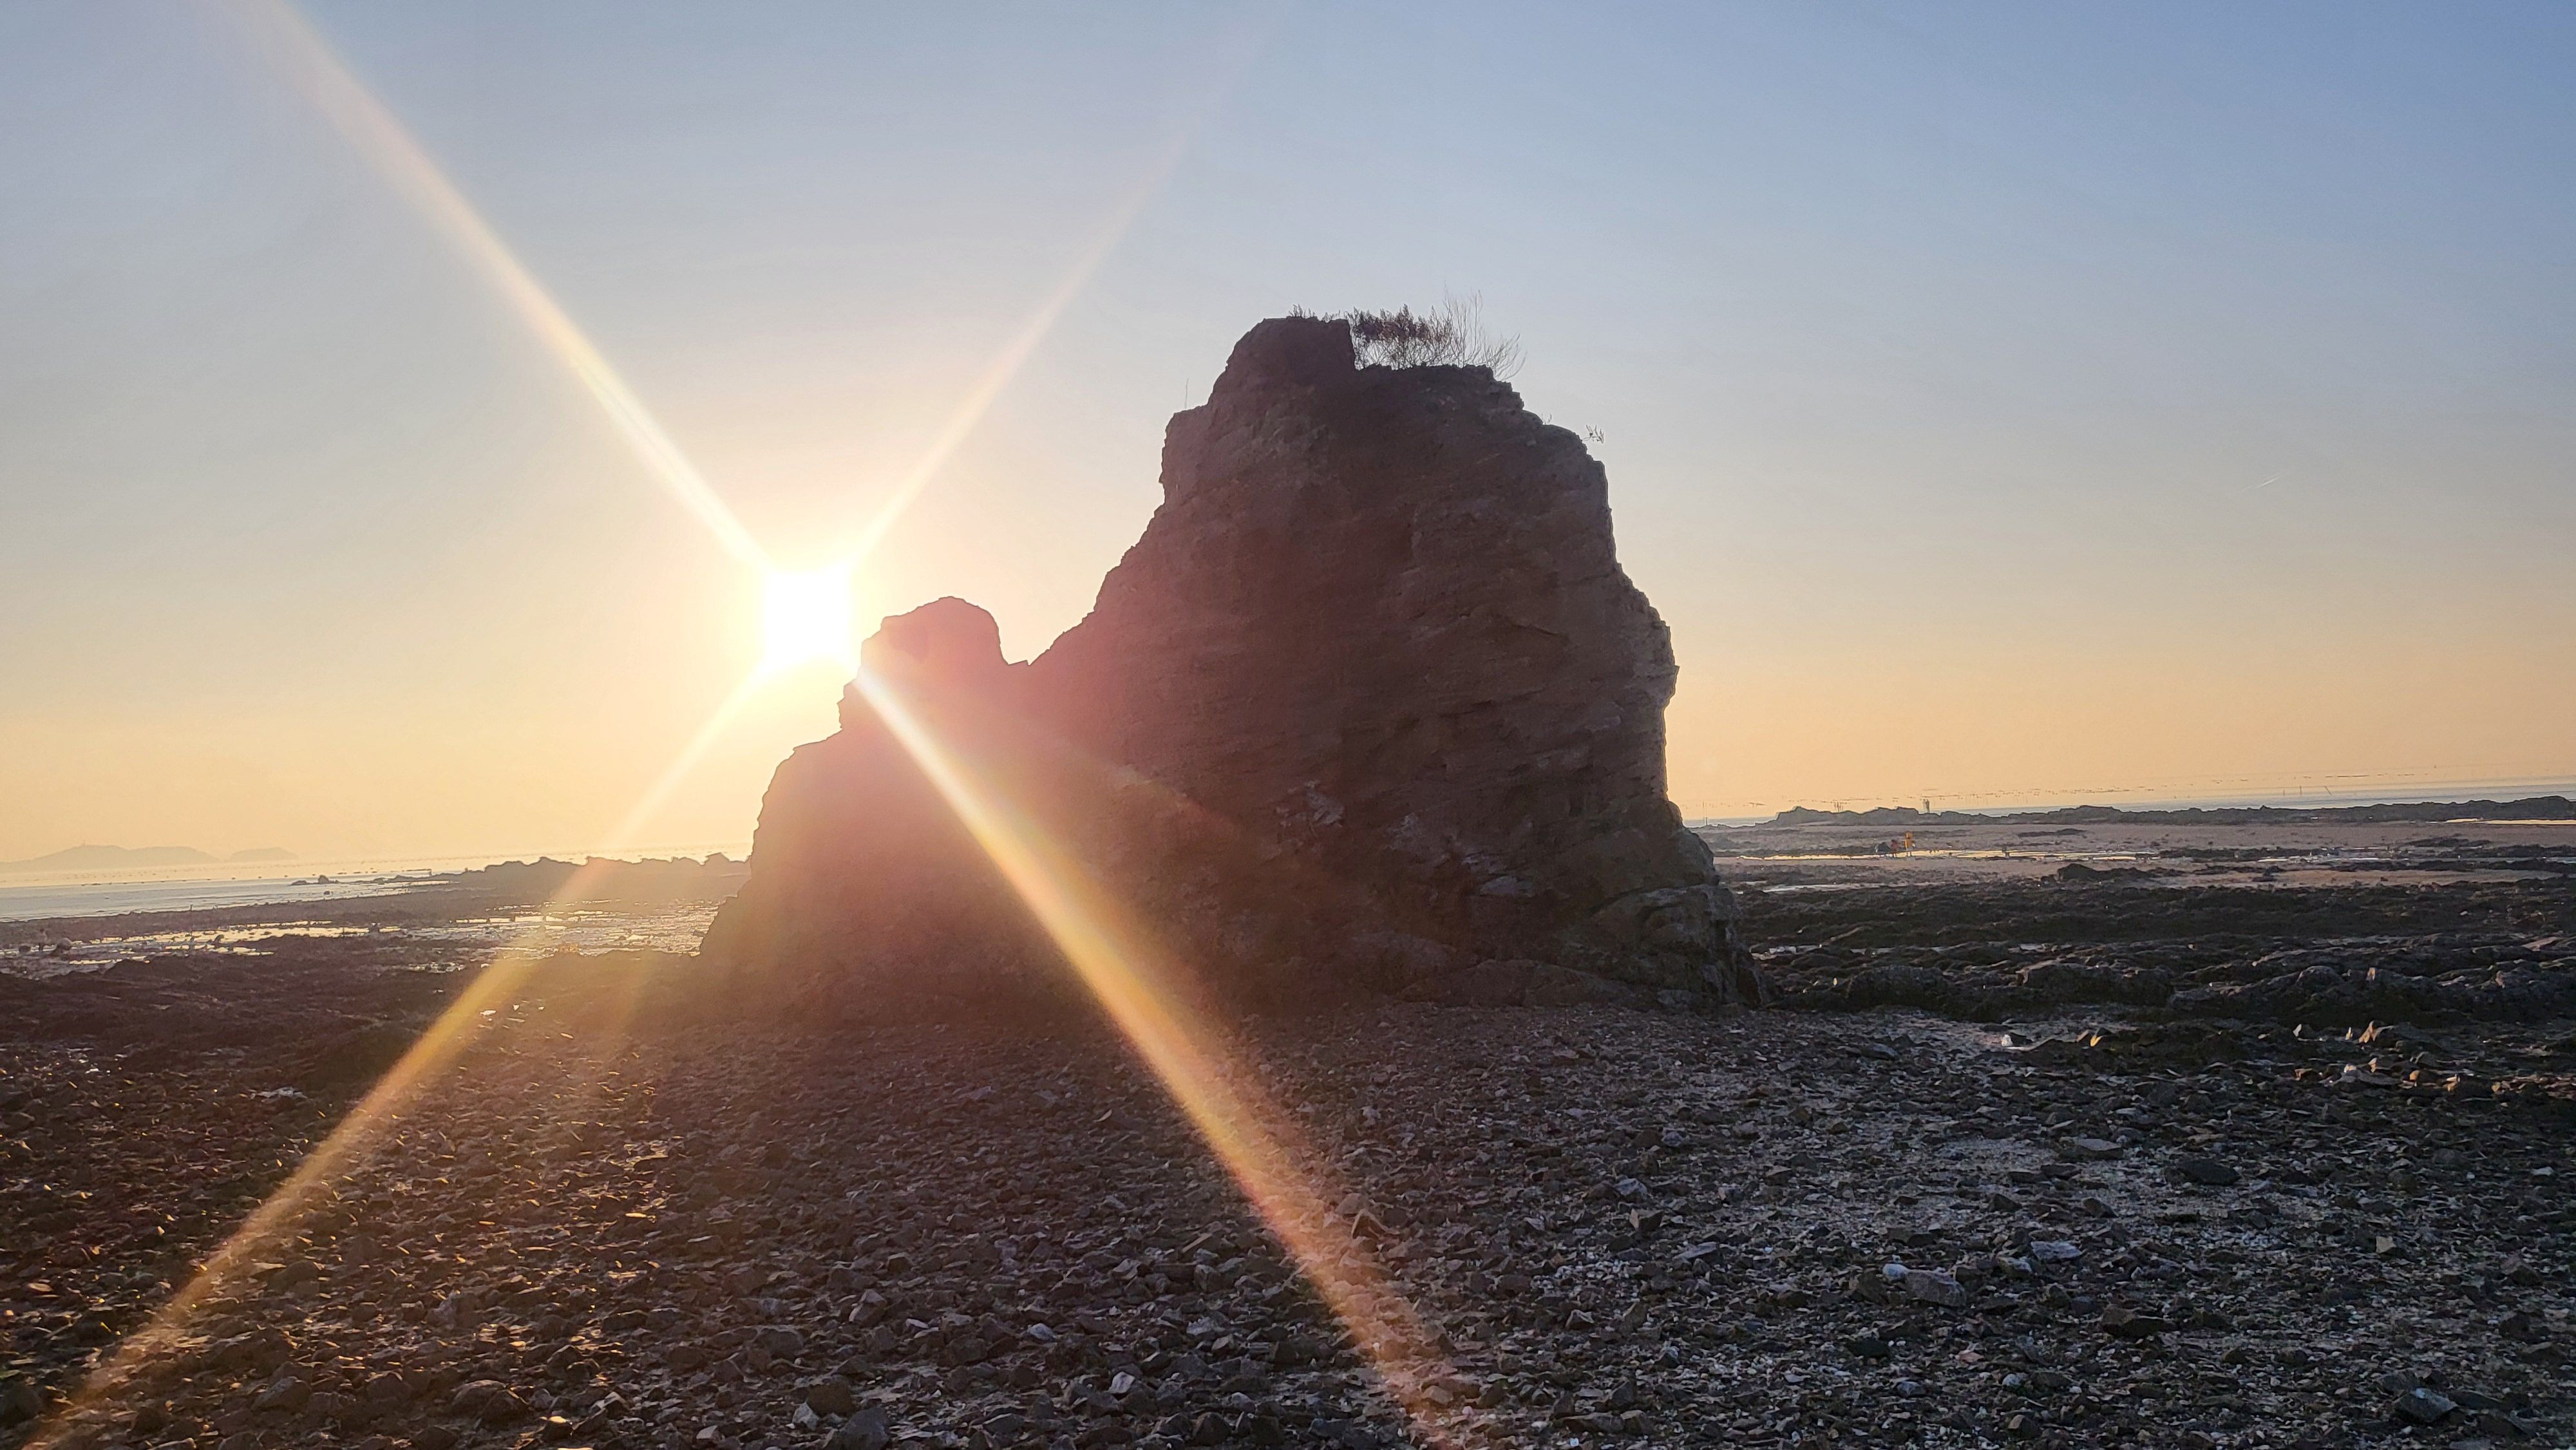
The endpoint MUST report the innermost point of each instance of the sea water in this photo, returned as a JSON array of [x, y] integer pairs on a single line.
[[111, 898]]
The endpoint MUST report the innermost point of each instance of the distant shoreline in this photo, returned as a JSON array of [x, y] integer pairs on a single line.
[[2533, 809], [37, 898], [267, 868]]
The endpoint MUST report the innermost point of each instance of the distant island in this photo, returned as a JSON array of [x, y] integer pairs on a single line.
[[2531, 808], [140, 858]]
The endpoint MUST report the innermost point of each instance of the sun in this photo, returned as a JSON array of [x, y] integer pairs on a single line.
[[807, 617]]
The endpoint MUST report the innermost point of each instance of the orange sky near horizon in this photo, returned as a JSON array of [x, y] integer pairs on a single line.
[[2023, 414]]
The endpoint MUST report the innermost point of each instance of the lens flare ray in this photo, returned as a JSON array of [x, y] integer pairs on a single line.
[[309, 64], [275, 1223], [687, 760], [1015, 352], [1218, 1090], [1138, 989]]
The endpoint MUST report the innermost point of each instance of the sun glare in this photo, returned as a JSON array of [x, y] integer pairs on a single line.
[[807, 617]]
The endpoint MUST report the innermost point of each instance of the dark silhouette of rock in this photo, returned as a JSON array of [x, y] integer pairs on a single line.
[[1369, 705]]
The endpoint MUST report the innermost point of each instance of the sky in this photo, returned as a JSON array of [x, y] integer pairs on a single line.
[[2004, 404]]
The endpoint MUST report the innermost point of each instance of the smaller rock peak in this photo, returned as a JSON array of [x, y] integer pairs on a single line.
[[943, 644]]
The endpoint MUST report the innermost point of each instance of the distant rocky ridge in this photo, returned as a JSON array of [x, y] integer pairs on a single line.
[[138, 858], [1370, 705], [2532, 808], [602, 878]]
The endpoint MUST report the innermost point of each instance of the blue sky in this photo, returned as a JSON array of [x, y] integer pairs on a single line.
[[2002, 402]]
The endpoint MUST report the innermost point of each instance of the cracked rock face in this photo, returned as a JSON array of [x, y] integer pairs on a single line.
[[1370, 705]]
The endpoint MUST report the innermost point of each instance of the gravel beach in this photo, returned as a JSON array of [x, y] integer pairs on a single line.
[[2044, 1209]]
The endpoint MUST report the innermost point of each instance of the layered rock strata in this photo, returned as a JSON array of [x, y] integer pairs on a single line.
[[1370, 705]]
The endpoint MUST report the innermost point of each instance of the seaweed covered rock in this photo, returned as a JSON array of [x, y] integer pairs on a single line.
[[1370, 705]]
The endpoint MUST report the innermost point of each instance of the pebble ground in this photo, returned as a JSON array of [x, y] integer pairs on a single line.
[[622, 1219]]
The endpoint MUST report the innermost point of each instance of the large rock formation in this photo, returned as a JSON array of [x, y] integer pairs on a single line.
[[1370, 705]]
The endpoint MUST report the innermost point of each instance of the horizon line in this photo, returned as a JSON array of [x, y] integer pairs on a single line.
[[2459, 793]]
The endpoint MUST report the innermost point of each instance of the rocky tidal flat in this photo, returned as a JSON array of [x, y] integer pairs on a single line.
[[629, 1215]]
